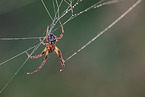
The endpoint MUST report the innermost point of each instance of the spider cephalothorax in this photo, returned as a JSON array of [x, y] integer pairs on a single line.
[[51, 38], [50, 47]]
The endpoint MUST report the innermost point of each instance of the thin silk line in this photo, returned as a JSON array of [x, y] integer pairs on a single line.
[[27, 38], [17, 55], [106, 29], [46, 9], [36, 47]]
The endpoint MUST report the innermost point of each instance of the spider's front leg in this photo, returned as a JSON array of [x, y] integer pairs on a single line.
[[61, 34], [43, 42], [47, 34], [60, 56], [38, 55]]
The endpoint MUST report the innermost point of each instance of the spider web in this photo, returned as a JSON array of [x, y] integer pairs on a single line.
[[57, 22]]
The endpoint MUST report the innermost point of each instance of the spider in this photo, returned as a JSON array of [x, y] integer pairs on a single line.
[[50, 47]]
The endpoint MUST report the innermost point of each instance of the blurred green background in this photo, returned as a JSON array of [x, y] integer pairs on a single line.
[[111, 66]]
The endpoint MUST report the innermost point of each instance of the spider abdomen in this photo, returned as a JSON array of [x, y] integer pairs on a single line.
[[52, 48]]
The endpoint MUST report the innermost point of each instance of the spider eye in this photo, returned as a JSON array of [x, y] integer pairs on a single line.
[[51, 38]]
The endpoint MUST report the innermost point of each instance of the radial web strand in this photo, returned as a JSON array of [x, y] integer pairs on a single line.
[[107, 28]]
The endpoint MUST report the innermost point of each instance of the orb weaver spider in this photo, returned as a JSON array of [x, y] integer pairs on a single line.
[[50, 47]]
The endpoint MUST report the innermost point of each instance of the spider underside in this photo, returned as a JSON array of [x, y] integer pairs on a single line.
[[50, 47]]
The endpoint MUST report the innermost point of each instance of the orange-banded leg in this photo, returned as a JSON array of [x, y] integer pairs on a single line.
[[61, 34], [47, 34], [60, 56], [43, 42], [38, 55], [41, 64]]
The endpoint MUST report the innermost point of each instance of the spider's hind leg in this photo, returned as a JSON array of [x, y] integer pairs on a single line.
[[60, 56], [41, 64]]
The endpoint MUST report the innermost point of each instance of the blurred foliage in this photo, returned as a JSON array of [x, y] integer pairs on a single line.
[[9, 5], [111, 66]]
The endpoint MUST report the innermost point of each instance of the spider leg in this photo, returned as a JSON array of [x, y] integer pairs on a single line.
[[60, 56], [41, 64], [43, 42], [61, 34], [47, 34], [38, 55]]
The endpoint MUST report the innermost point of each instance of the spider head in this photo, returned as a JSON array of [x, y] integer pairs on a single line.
[[51, 38]]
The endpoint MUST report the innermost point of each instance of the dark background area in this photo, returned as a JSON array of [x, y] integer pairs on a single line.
[[111, 66]]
